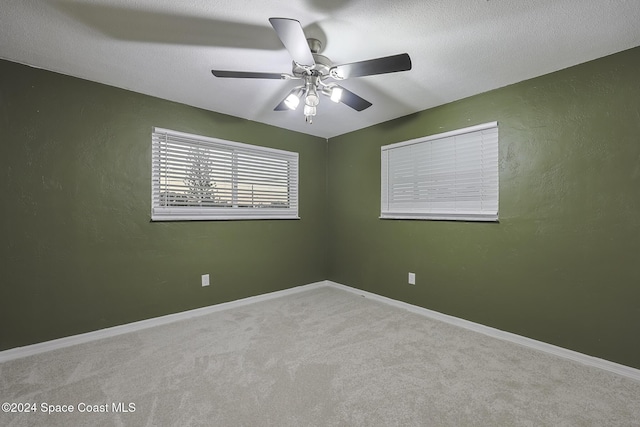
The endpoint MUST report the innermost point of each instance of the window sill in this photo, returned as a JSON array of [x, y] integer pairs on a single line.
[[164, 218], [442, 217]]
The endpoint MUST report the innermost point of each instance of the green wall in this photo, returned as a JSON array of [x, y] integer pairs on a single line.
[[78, 250], [563, 264]]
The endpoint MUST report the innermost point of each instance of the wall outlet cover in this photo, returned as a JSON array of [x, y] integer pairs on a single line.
[[412, 278], [205, 280]]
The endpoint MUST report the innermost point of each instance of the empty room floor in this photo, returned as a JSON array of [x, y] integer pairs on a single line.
[[321, 356]]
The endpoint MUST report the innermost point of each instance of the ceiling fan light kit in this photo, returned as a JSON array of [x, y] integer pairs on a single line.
[[315, 70], [293, 99], [336, 94]]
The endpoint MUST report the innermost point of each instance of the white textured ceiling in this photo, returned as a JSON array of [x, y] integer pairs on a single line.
[[166, 48]]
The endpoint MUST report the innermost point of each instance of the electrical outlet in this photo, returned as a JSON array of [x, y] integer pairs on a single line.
[[412, 278], [205, 280]]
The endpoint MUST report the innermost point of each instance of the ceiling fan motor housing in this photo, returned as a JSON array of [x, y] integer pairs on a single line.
[[322, 63]]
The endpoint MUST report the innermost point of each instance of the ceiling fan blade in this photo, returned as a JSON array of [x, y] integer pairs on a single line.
[[290, 33], [247, 75], [388, 64], [354, 101]]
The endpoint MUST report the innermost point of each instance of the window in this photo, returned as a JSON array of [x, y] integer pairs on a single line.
[[450, 176], [200, 178]]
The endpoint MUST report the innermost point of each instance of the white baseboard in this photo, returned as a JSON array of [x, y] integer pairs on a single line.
[[29, 350], [595, 362]]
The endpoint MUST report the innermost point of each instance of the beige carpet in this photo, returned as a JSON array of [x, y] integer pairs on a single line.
[[321, 357]]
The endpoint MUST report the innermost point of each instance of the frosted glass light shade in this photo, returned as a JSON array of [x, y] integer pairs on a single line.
[[292, 101], [336, 94]]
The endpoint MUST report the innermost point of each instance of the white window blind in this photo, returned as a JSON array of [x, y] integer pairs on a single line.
[[449, 176], [201, 178]]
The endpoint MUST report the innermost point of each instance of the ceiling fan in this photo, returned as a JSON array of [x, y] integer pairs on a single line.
[[316, 71]]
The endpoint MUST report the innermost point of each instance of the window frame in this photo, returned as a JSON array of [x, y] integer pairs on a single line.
[[433, 198], [229, 209]]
